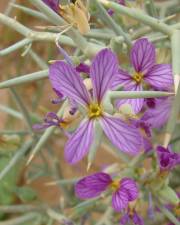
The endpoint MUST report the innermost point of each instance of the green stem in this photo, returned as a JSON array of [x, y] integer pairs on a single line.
[[23, 109], [151, 8], [113, 95], [11, 112], [16, 158], [15, 25], [31, 12], [176, 71], [110, 22], [24, 79], [14, 47], [22, 208], [21, 219], [169, 215], [140, 16]]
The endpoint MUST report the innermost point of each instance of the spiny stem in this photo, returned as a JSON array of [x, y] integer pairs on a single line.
[[22, 108], [22, 208], [16, 46], [24, 79], [21, 219], [16, 158], [151, 8], [31, 12], [137, 94], [11, 112], [107, 19], [176, 71], [169, 215], [140, 16]]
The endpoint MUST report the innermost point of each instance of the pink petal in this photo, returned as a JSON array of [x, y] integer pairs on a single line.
[[102, 72], [67, 81], [143, 55], [160, 76], [131, 187], [125, 137], [136, 104], [120, 200], [92, 186], [79, 143]]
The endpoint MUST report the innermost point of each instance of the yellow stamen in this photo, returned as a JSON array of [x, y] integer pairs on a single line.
[[115, 184], [95, 110], [138, 77]]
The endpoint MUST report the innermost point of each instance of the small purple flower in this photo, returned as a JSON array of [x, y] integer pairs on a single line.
[[157, 117], [167, 159], [131, 216], [53, 4], [124, 190], [157, 76], [51, 119], [68, 81]]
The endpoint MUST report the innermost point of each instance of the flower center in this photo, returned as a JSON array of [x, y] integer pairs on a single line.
[[115, 184], [63, 124], [95, 110], [138, 77]]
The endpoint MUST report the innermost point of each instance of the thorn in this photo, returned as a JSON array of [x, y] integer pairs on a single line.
[[52, 61], [167, 139], [51, 183], [176, 82], [89, 166], [30, 159]]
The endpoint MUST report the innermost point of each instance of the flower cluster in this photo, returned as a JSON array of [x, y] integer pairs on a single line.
[[130, 135]]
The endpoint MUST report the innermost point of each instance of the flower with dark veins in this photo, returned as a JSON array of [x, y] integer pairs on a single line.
[[123, 191], [68, 81], [146, 72]]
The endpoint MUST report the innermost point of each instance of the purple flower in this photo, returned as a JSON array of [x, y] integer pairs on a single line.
[[131, 216], [156, 117], [124, 190], [68, 81], [53, 4], [167, 159], [157, 76], [51, 119]]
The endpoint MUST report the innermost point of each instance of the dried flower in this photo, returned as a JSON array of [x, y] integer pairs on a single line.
[[157, 76], [124, 190], [66, 80], [75, 13]]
